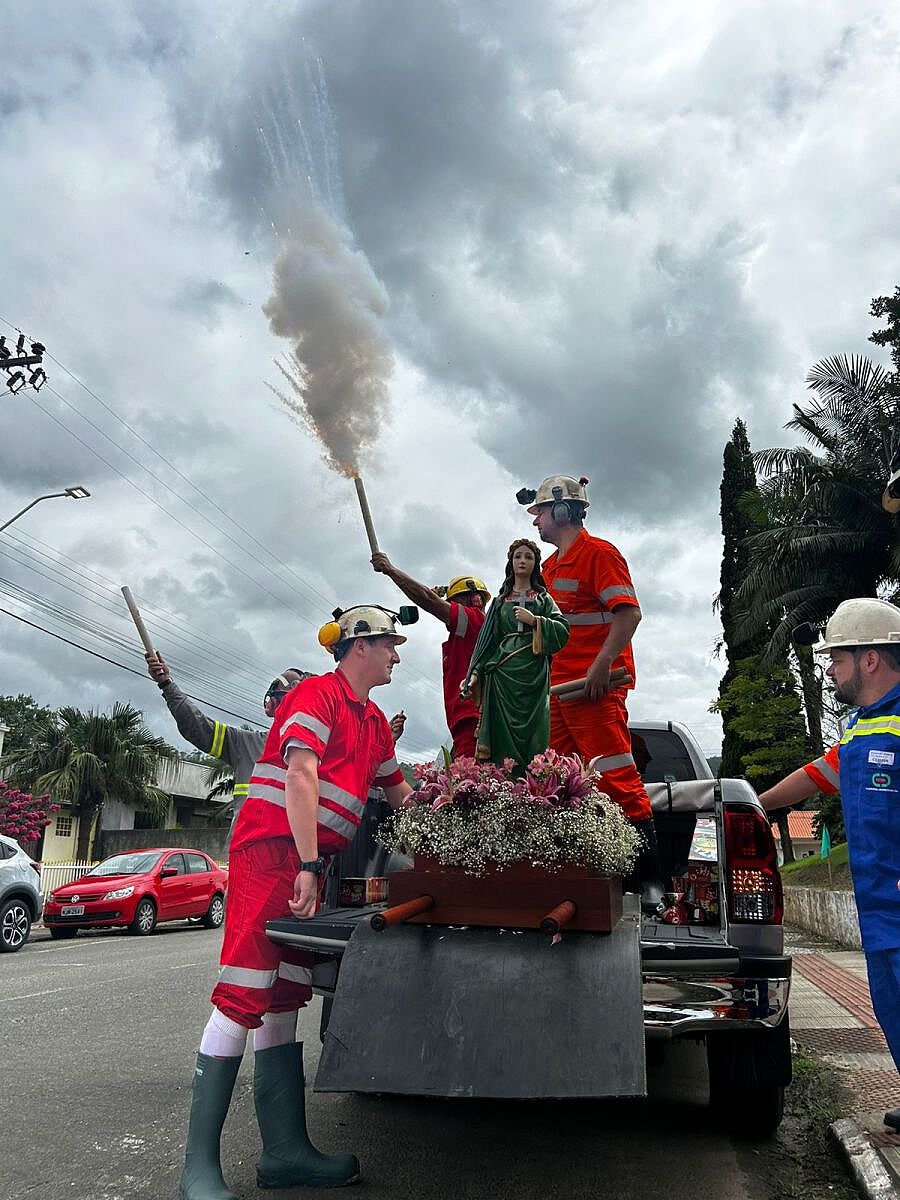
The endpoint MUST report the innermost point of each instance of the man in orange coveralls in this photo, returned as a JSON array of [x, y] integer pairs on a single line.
[[589, 580]]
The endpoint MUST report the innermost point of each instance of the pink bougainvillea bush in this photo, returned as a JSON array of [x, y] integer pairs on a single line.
[[469, 814], [23, 816]]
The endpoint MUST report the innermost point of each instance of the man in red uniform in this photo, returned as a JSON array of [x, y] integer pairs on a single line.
[[461, 607], [328, 744], [589, 580]]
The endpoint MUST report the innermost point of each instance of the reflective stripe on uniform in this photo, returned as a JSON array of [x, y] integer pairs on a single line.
[[218, 742], [332, 792], [247, 977], [868, 726], [276, 795], [334, 821], [268, 771], [589, 618], [294, 973], [612, 763], [267, 791], [241, 789], [565, 585], [610, 592], [462, 622], [826, 770], [387, 768], [305, 721]]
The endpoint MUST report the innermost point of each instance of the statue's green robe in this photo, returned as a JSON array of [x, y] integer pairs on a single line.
[[512, 667]]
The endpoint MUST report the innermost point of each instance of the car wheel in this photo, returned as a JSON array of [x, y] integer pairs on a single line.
[[144, 920], [15, 926], [215, 914], [748, 1110], [59, 932]]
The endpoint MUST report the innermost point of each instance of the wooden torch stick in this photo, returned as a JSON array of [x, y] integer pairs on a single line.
[[616, 678], [392, 916], [138, 620], [366, 514]]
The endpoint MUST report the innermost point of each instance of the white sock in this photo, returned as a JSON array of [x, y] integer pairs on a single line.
[[277, 1029], [222, 1037]]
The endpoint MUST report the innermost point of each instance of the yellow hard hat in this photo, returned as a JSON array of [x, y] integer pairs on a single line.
[[465, 583]]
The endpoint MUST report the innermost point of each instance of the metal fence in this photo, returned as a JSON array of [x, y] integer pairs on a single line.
[[55, 874]]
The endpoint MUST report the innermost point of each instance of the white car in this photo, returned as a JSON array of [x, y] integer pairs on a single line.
[[20, 895]]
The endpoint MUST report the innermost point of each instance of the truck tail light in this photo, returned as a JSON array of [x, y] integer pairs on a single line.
[[752, 880]]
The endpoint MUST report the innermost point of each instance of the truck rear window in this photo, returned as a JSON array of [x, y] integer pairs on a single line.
[[661, 756]]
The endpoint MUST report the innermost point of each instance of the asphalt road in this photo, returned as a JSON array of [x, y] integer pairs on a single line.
[[98, 1040]]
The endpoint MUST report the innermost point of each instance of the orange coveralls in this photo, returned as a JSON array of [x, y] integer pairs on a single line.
[[588, 582]]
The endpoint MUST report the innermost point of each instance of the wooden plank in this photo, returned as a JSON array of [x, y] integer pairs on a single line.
[[517, 899]]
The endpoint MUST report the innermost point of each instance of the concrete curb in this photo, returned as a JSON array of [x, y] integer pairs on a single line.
[[869, 1173]]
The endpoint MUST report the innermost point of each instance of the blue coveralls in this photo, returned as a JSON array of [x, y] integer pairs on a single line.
[[870, 793]]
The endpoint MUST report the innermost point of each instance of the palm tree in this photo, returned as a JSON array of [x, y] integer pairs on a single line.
[[85, 759], [827, 537]]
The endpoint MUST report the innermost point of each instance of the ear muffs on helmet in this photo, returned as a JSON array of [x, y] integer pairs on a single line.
[[329, 635], [561, 511]]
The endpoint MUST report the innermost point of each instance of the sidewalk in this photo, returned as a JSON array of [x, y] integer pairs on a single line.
[[832, 1019]]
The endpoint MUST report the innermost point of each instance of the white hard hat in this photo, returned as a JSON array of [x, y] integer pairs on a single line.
[[365, 620], [555, 488], [861, 622]]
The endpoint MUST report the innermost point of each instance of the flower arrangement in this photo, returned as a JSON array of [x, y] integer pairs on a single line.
[[474, 815]]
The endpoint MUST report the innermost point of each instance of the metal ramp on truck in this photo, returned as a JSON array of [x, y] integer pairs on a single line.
[[449, 1011]]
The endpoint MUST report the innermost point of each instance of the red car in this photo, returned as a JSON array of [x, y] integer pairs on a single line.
[[139, 889]]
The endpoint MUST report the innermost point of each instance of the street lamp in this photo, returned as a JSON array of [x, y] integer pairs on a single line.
[[75, 493]]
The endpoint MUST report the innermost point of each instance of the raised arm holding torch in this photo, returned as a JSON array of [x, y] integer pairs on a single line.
[[138, 620], [366, 513]]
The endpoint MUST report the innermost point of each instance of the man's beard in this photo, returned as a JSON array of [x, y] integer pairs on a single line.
[[848, 692]]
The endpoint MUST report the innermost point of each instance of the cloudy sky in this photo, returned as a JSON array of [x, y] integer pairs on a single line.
[[516, 237]]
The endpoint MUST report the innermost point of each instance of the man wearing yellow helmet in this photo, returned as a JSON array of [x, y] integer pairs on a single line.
[[329, 743], [460, 606]]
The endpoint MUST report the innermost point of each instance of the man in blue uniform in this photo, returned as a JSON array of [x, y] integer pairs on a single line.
[[862, 640]]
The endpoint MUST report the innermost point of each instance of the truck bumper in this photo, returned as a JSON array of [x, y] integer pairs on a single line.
[[750, 998]]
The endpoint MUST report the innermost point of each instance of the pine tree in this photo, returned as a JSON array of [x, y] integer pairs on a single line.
[[764, 735], [737, 488]]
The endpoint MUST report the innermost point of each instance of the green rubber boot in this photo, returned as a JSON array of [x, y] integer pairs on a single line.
[[201, 1178], [289, 1159]]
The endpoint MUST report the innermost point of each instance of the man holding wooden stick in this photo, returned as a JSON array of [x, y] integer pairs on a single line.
[[590, 581], [240, 748], [460, 606]]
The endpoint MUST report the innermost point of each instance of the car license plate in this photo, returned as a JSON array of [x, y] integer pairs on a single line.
[[72, 910]]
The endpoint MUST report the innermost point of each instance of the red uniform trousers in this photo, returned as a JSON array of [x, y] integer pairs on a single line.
[[257, 975], [599, 729], [463, 735]]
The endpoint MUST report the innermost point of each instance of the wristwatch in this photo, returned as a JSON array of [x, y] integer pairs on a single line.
[[317, 866]]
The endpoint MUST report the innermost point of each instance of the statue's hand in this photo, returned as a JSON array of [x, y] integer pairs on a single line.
[[525, 615]]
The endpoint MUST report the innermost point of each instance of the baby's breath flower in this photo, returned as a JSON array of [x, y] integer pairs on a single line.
[[474, 814]]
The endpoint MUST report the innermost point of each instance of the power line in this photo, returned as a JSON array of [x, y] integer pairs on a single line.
[[223, 659], [122, 667]]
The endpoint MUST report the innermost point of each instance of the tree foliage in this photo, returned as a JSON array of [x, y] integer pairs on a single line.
[[828, 538], [24, 717], [85, 759]]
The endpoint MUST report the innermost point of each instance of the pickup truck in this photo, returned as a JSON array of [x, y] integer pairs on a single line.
[[722, 978]]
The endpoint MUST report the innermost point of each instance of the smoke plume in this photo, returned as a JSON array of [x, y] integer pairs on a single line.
[[328, 303]]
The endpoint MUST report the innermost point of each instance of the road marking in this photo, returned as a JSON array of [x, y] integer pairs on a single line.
[[31, 995]]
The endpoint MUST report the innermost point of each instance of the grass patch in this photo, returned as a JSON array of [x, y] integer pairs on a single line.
[[813, 872], [801, 1162]]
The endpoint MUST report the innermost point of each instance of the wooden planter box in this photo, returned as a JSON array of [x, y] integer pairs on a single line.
[[517, 896]]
